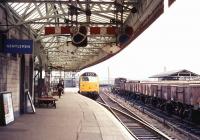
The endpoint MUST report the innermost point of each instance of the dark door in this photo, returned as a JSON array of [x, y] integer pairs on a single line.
[[31, 76], [22, 85]]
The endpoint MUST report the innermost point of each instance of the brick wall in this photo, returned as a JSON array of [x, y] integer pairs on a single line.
[[9, 79]]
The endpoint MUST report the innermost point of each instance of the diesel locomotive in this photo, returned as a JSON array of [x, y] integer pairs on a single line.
[[89, 85]]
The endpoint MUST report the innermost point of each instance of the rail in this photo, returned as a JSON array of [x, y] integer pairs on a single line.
[[137, 127]]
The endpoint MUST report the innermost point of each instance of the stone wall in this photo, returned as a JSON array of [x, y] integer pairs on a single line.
[[13, 82], [10, 64], [3, 73]]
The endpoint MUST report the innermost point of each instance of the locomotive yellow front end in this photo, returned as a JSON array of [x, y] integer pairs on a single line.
[[89, 85]]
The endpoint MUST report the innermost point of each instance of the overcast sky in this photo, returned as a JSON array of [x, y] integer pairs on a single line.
[[172, 41]]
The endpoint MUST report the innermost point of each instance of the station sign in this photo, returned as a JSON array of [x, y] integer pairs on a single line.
[[18, 46]]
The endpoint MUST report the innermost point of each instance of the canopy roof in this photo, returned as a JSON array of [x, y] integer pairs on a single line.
[[175, 73], [61, 52]]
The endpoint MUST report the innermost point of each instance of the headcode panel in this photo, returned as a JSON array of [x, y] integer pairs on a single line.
[[89, 74]]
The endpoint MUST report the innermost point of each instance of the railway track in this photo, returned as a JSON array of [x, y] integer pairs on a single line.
[[138, 128], [174, 124], [182, 126]]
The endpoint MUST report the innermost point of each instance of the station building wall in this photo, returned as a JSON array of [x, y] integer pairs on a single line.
[[10, 64]]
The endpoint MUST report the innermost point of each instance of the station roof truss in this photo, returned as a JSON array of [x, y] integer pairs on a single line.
[[181, 74], [37, 15]]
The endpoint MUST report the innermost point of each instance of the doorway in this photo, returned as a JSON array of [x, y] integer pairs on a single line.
[[22, 85]]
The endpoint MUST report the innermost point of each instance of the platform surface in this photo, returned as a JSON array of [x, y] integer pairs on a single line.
[[75, 118]]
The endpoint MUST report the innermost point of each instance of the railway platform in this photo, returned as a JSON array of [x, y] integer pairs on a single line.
[[75, 118]]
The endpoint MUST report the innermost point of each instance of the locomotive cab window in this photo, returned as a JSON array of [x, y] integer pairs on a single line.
[[84, 78], [91, 79]]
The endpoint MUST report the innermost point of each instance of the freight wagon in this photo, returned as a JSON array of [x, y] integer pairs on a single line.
[[182, 99]]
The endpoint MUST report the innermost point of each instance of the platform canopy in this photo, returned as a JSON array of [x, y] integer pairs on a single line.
[[76, 34]]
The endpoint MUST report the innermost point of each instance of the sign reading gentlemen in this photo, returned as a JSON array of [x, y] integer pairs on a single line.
[[18, 46]]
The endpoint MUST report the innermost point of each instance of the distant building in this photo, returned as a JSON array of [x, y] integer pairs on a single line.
[[182, 74]]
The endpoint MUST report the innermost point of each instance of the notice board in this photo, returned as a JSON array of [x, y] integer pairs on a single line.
[[6, 108]]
